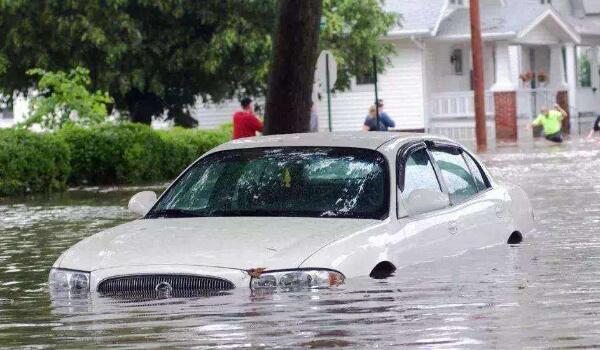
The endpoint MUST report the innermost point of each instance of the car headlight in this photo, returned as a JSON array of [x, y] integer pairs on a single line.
[[69, 280], [297, 278]]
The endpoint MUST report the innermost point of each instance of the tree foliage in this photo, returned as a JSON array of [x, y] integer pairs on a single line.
[[353, 29], [64, 97], [155, 56]]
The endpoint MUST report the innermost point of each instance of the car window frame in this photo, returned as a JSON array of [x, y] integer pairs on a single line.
[[440, 145], [386, 170], [402, 158], [486, 180]]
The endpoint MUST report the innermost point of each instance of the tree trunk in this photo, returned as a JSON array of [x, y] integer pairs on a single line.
[[143, 106], [182, 118], [295, 45]]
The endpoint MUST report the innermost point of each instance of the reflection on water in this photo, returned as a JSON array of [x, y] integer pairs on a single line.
[[543, 293]]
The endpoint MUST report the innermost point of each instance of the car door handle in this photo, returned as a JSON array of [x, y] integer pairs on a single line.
[[453, 227]]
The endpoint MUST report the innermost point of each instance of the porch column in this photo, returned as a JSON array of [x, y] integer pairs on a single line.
[[571, 99], [556, 77], [505, 94], [594, 67]]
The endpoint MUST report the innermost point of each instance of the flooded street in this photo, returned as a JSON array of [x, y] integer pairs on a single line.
[[544, 293]]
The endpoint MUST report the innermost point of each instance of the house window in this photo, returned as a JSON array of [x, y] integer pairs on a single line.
[[456, 59], [457, 2], [546, 2], [584, 66], [365, 79]]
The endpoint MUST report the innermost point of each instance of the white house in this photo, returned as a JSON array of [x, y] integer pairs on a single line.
[[427, 85]]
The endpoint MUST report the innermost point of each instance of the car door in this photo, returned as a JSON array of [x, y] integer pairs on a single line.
[[476, 209], [497, 227], [423, 237]]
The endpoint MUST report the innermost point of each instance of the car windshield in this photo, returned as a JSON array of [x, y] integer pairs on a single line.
[[288, 181]]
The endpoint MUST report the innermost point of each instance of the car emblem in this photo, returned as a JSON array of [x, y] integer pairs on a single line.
[[163, 287]]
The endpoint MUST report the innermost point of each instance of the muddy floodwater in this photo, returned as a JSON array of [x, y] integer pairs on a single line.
[[544, 293]]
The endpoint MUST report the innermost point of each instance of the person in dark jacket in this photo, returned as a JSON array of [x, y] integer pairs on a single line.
[[595, 127], [385, 121]]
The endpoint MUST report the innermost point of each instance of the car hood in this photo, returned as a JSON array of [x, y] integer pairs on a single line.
[[239, 243]]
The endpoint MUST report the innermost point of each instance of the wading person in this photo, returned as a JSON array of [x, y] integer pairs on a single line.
[[551, 121], [245, 123], [595, 127], [385, 121]]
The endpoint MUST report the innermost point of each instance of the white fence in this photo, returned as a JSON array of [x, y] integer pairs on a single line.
[[449, 105]]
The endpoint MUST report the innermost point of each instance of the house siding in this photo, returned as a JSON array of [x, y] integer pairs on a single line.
[[401, 87]]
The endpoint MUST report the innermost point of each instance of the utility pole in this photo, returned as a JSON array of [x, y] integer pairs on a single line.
[[476, 48]]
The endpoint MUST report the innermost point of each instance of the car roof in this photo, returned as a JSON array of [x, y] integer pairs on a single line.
[[358, 139]]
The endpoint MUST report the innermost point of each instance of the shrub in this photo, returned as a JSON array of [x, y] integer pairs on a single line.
[[102, 155], [32, 162], [183, 146], [134, 153], [113, 154]]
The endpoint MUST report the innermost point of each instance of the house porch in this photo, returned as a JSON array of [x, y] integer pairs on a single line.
[[545, 64]]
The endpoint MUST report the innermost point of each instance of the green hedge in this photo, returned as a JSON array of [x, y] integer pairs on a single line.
[[184, 145], [31, 162], [106, 155]]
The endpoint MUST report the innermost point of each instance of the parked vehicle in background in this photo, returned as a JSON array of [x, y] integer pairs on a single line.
[[294, 211]]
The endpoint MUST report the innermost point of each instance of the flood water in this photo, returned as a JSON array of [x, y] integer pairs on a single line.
[[544, 293]]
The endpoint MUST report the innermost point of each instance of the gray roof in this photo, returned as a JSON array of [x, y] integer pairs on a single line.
[[416, 15], [514, 16], [585, 26], [495, 18]]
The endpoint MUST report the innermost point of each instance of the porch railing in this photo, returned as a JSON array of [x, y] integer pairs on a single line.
[[531, 101], [452, 105]]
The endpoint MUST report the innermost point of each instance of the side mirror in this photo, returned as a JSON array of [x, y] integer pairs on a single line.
[[142, 202], [423, 201]]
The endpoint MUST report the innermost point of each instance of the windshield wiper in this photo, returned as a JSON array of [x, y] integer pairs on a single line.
[[172, 213]]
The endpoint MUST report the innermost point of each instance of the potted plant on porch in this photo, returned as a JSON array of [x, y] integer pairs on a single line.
[[542, 79]]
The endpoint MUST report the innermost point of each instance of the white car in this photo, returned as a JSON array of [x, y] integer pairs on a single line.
[[304, 210]]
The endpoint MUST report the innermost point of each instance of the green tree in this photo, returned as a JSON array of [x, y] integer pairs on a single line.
[[156, 56], [64, 97], [353, 29]]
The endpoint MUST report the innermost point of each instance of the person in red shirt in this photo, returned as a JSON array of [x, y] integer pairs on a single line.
[[245, 123]]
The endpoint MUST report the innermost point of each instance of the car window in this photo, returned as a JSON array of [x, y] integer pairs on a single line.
[[457, 175], [286, 181], [478, 175], [419, 173]]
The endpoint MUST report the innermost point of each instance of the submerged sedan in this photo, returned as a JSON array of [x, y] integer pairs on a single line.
[[306, 210]]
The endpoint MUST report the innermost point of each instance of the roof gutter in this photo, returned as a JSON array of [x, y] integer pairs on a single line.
[[485, 36], [408, 34]]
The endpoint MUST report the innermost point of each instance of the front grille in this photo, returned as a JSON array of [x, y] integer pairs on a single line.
[[177, 284]]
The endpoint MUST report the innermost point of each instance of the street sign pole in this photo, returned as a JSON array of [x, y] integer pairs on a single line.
[[376, 92], [328, 91], [326, 76]]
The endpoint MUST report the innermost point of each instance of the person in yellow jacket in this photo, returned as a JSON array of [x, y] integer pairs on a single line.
[[551, 121]]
